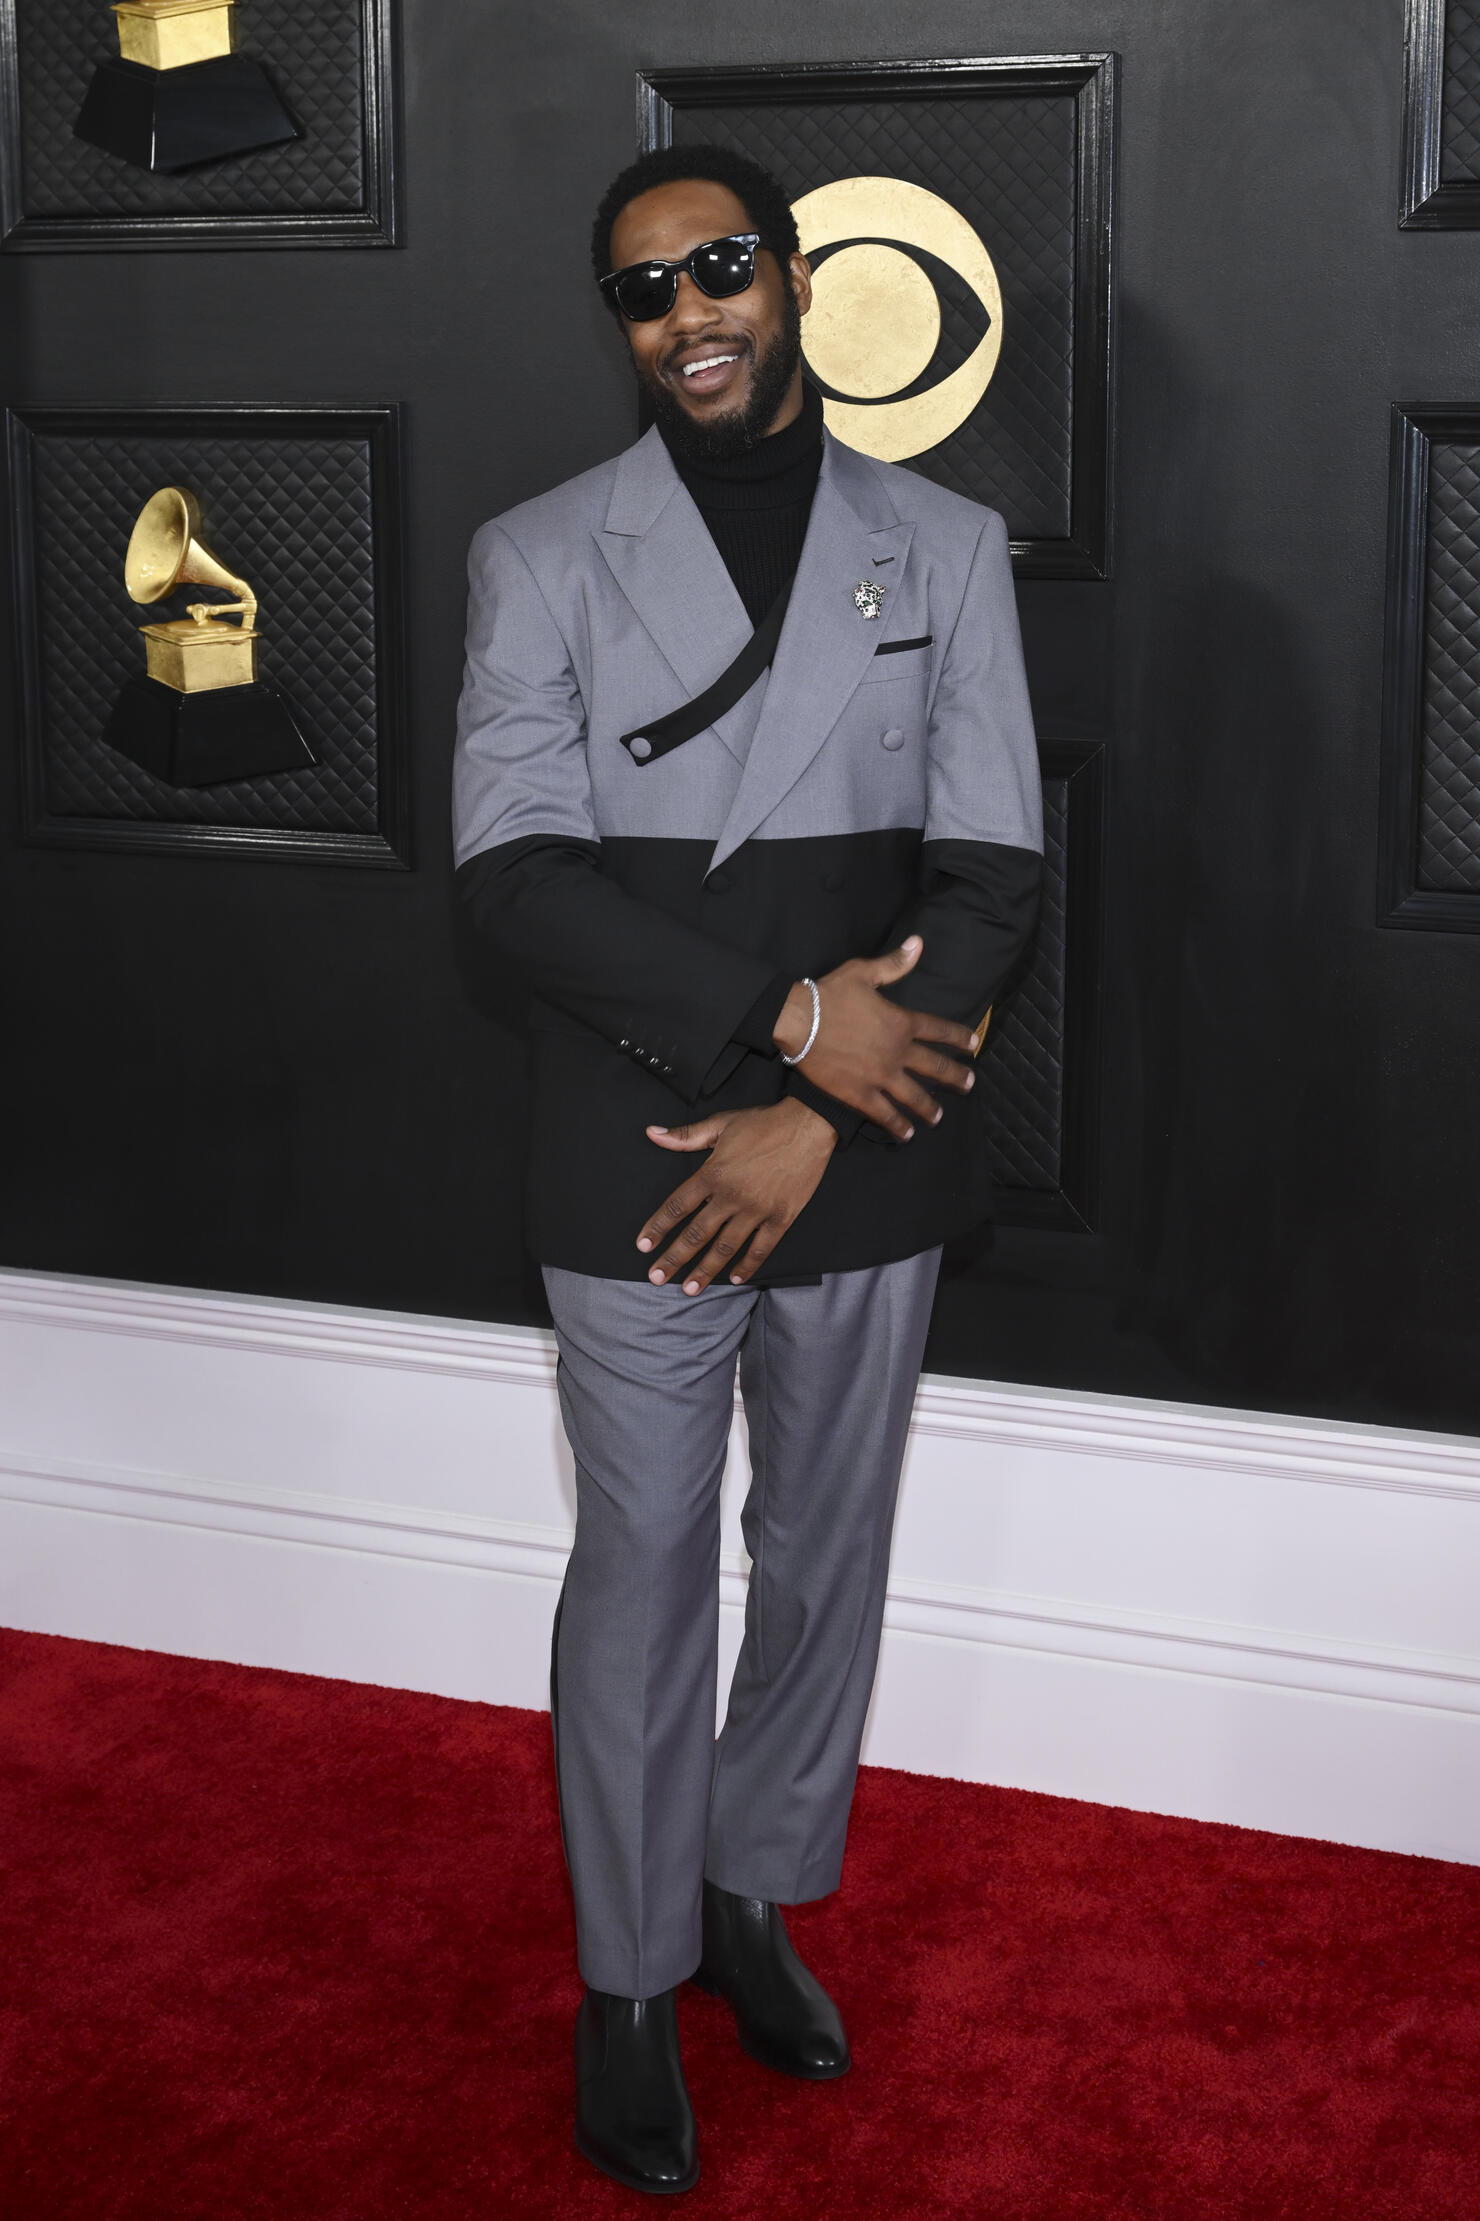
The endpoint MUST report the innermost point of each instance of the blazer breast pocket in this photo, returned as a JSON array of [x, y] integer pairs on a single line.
[[901, 659]]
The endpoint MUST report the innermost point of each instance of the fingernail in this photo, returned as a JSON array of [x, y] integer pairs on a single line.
[[655, 1274], [909, 1133], [975, 1043], [643, 1243], [657, 1129], [970, 1083], [735, 1280], [691, 1287], [937, 1118]]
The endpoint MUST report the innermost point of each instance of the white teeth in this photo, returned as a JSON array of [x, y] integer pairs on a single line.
[[710, 362]]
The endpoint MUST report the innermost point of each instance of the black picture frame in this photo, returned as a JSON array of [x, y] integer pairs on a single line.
[[374, 223], [1080, 763], [1429, 201], [1091, 80], [1402, 901], [379, 427]]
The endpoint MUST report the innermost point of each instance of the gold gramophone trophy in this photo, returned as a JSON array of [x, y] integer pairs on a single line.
[[200, 715], [177, 93]]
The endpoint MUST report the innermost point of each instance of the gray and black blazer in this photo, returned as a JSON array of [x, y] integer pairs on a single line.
[[880, 778]]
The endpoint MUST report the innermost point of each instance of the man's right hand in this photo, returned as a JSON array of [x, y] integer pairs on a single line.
[[870, 1053]]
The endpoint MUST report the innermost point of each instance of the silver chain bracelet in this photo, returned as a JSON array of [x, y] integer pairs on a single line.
[[811, 986]]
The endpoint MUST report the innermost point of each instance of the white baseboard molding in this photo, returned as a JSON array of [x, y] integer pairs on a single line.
[[1263, 1620]]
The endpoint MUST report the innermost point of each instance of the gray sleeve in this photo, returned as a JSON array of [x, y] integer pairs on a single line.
[[520, 762], [983, 778]]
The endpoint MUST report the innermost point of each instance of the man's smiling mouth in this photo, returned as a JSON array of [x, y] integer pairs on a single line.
[[707, 362]]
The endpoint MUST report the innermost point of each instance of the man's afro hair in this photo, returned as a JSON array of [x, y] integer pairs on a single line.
[[764, 202]]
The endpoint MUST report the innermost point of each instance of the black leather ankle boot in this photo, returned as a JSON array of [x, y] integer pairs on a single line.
[[785, 2017], [633, 2117]]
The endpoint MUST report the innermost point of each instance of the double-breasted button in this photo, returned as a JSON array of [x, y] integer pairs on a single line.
[[893, 739], [640, 747], [718, 883], [831, 882]]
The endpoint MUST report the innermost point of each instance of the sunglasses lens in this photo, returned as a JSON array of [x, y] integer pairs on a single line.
[[725, 267], [645, 291]]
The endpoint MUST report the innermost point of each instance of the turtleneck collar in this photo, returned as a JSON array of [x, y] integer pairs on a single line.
[[778, 470]]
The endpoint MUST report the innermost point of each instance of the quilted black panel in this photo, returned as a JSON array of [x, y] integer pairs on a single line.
[[293, 516], [1449, 758], [313, 54], [1023, 1060], [1007, 161], [1459, 157]]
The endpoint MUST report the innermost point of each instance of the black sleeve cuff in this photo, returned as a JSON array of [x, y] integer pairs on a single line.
[[844, 1121], [757, 1029]]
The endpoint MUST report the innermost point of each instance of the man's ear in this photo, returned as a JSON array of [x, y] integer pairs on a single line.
[[801, 282]]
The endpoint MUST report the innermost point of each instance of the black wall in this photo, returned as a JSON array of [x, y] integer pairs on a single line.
[[279, 1078]]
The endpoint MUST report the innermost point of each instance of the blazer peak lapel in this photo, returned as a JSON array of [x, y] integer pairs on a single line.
[[659, 551], [853, 539]]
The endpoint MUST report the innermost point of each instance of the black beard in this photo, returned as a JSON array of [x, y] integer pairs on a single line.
[[722, 439]]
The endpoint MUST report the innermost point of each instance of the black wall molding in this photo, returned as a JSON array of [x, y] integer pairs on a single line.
[[1430, 820], [334, 63], [306, 504], [1441, 116], [1044, 460]]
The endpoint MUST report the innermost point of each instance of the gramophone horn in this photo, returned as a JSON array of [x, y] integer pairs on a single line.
[[165, 550]]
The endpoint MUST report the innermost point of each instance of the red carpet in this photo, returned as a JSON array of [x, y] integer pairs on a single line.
[[287, 1948]]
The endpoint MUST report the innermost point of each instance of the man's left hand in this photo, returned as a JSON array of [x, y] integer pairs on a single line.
[[763, 1170]]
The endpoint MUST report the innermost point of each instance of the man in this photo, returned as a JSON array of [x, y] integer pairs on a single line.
[[764, 863]]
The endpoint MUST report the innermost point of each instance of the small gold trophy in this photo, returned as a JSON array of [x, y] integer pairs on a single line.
[[177, 93], [201, 651], [200, 715]]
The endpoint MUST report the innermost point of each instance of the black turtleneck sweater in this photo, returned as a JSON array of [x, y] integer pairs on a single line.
[[757, 506]]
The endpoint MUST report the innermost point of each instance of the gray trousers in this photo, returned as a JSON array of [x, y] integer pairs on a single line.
[[650, 1803]]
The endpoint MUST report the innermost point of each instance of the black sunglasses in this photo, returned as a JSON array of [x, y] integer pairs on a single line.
[[719, 268]]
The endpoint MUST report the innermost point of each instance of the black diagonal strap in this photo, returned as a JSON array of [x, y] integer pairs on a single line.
[[646, 743]]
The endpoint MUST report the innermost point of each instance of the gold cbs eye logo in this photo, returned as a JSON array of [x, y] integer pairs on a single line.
[[874, 324]]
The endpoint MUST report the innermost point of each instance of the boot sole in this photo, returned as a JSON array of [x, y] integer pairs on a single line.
[[631, 2181], [761, 2055], [780, 2066]]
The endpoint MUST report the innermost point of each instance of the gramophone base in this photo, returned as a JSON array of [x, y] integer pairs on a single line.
[[172, 119], [204, 740]]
